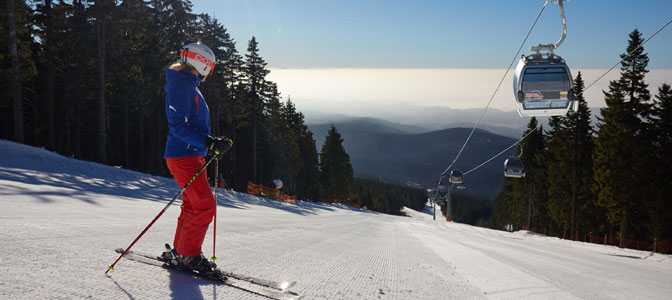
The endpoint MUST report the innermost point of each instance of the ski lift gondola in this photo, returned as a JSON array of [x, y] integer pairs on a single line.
[[543, 86], [442, 189], [456, 176], [542, 83], [513, 168]]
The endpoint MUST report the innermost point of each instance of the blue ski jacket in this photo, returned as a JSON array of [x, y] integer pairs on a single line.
[[188, 115]]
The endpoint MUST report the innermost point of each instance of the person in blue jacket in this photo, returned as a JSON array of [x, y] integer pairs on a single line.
[[189, 140]]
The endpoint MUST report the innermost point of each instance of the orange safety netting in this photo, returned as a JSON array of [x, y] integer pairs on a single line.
[[655, 246], [273, 193], [253, 188], [348, 203]]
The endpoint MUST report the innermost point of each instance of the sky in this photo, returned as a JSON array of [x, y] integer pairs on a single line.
[[335, 42]]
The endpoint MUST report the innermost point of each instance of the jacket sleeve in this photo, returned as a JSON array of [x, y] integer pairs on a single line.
[[179, 106]]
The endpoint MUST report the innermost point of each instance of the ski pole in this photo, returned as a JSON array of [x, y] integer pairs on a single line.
[[214, 233], [111, 267]]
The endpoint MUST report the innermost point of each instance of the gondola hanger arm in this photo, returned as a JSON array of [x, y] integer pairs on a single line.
[[551, 47]]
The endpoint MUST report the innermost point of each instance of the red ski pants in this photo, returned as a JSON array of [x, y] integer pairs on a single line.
[[198, 204]]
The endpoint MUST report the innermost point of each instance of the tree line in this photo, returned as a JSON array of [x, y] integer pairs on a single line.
[[338, 184], [468, 209], [387, 198], [85, 79], [613, 177]]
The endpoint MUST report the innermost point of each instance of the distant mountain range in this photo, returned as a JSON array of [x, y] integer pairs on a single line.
[[416, 156], [506, 123], [418, 119]]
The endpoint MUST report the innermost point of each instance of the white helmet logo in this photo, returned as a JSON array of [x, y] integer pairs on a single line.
[[202, 59]]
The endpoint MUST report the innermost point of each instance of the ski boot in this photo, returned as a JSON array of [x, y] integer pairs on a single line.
[[196, 263], [170, 256]]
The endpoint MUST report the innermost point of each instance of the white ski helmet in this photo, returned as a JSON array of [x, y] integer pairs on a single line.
[[200, 57]]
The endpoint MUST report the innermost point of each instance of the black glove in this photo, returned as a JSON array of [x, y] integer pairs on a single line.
[[218, 145]]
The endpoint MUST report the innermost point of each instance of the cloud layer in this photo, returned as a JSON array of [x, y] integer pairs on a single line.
[[366, 92]]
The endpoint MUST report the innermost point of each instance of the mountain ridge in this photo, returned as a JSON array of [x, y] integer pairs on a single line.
[[418, 159], [501, 122]]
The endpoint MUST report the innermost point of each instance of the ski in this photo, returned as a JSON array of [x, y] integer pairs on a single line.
[[220, 276], [278, 285]]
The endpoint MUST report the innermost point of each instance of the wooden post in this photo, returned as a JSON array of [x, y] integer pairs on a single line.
[[605, 238]]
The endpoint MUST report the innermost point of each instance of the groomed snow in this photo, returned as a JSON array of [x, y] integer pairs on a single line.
[[63, 218]]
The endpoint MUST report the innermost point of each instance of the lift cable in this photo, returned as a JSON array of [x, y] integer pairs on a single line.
[[515, 57], [500, 153], [624, 57]]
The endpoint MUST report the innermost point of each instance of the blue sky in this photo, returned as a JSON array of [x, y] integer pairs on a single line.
[[437, 34]]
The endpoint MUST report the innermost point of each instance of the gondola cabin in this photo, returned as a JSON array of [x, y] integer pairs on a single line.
[[513, 168], [542, 86], [443, 189], [456, 176]]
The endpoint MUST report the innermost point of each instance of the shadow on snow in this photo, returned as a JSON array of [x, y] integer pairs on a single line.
[[67, 177]]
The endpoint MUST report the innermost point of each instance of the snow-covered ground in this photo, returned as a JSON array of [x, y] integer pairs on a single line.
[[61, 220]]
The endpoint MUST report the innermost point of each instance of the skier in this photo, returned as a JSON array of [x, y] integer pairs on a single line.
[[188, 141]]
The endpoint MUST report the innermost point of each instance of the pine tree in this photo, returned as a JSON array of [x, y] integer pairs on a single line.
[[273, 161], [177, 21], [530, 189], [45, 17], [212, 33], [309, 172], [612, 172], [503, 208], [558, 194], [336, 175], [76, 68], [570, 166], [621, 144], [225, 90], [296, 154], [581, 148], [19, 70], [16, 73], [255, 78], [660, 208], [127, 90], [633, 70], [101, 11], [521, 201], [662, 119]]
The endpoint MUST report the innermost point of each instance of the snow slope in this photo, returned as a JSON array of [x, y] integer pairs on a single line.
[[61, 219]]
